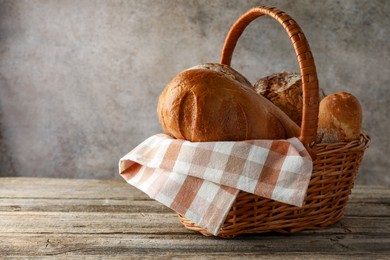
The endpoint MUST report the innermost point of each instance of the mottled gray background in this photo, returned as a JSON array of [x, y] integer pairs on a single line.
[[79, 80]]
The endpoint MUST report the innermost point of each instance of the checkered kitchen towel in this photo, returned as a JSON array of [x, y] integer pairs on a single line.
[[201, 180]]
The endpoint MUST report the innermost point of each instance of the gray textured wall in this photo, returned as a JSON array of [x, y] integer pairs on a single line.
[[79, 80]]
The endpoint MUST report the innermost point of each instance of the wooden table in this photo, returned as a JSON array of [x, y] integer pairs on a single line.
[[64, 218]]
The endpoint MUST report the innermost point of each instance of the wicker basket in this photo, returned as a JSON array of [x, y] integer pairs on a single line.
[[334, 168]]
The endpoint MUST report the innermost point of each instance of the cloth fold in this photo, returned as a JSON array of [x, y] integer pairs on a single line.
[[201, 180]]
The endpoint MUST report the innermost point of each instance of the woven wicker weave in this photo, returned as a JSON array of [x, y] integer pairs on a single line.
[[334, 168]]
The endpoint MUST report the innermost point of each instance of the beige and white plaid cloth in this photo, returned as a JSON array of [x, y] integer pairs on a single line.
[[201, 180]]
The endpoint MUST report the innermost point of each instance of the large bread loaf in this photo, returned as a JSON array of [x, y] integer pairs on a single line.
[[206, 105]]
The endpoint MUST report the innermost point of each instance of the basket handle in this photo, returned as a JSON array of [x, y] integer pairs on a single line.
[[305, 61]]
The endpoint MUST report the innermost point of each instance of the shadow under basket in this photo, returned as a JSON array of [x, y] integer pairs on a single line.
[[334, 173]]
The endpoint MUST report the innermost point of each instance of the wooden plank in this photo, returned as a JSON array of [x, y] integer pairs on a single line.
[[86, 222], [112, 222], [87, 188], [117, 196], [66, 188], [367, 209], [21, 187], [81, 205], [354, 208], [139, 244], [218, 255], [366, 193], [371, 194]]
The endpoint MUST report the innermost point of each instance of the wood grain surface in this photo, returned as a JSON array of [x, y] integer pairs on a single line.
[[109, 219]]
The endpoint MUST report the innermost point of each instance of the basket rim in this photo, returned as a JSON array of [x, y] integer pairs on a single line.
[[360, 144]]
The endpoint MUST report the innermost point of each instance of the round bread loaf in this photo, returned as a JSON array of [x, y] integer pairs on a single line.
[[339, 118], [205, 105], [285, 91]]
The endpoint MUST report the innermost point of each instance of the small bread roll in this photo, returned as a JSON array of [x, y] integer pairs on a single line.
[[202, 105], [339, 118], [285, 91]]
